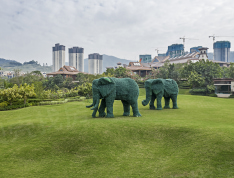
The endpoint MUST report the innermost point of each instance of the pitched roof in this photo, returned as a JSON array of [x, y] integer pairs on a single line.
[[69, 70]]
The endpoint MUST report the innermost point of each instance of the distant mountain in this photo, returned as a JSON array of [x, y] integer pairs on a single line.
[[9, 63], [108, 61]]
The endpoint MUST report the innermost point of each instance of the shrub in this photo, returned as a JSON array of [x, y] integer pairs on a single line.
[[213, 95], [231, 96], [3, 104], [198, 91]]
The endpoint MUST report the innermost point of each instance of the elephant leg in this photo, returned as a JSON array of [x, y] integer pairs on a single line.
[[135, 110], [94, 113], [159, 104], [153, 97], [167, 102], [102, 108], [109, 105], [174, 101], [126, 107]]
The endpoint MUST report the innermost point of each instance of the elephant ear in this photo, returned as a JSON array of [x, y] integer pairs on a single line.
[[106, 86], [171, 86], [158, 85]]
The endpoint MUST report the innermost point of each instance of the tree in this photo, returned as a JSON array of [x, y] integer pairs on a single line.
[[207, 69], [121, 72], [196, 80], [110, 72], [26, 91], [231, 70], [36, 72], [225, 72]]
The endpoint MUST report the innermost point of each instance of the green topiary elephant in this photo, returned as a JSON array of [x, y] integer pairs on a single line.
[[110, 89], [158, 88]]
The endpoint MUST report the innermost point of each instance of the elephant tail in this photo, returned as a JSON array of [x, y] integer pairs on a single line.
[[89, 106]]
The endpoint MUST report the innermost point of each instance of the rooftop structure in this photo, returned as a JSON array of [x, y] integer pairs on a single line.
[[195, 49], [66, 71], [203, 53], [138, 68]]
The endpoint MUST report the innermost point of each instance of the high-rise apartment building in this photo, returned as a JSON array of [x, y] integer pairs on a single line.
[[222, 51], [76, 58], [58, 59], [175, 50], [95, 63]]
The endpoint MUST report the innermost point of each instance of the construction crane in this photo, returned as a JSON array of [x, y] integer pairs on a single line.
[[183, 38], [157, 50], [218, 36], [214, 41]]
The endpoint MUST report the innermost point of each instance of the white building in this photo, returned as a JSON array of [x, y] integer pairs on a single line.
[[76, 58], [58, 59], [95, 63], [203, 53]]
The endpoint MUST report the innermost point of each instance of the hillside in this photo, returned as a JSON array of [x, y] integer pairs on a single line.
[[10, 65]]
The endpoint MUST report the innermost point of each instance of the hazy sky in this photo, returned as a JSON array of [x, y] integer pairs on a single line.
[[122, 28]]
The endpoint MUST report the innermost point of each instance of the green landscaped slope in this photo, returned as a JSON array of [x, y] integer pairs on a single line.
[[196, 140]]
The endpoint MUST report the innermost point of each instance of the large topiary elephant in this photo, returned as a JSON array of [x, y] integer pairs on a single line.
[[110, 89], [158, 88]]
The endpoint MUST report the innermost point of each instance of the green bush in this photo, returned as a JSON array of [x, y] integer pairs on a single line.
[[10, 107], [3, 104], [231, 96], [213, 95], [183, 85], [198, 91]]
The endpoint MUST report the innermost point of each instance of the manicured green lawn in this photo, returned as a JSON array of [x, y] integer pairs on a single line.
[[196, 140]]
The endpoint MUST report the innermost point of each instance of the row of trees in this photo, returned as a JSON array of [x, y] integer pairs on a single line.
[[197, 75]]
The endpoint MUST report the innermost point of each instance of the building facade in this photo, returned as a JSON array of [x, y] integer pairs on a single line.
[[146, 58], [58, 56], [222, 51], [95, 63], [203, 53], [175, 50], [76, 58]]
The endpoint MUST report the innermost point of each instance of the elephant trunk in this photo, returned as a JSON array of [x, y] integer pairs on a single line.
[[96, 102], [148, 97]]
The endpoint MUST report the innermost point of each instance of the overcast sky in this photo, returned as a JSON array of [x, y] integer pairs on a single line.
[[121, 28]]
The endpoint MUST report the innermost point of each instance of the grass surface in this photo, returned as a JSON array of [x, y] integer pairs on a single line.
[[196, 140]]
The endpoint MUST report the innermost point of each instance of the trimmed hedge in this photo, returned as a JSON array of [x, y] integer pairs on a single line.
[[198, 91], [10, 107], [213, 95]]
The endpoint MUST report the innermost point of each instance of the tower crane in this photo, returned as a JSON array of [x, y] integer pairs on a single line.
[[183, 38], [214, 41], [157, 49]]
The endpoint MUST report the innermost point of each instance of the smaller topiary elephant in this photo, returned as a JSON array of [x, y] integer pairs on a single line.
[[158, 88]]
